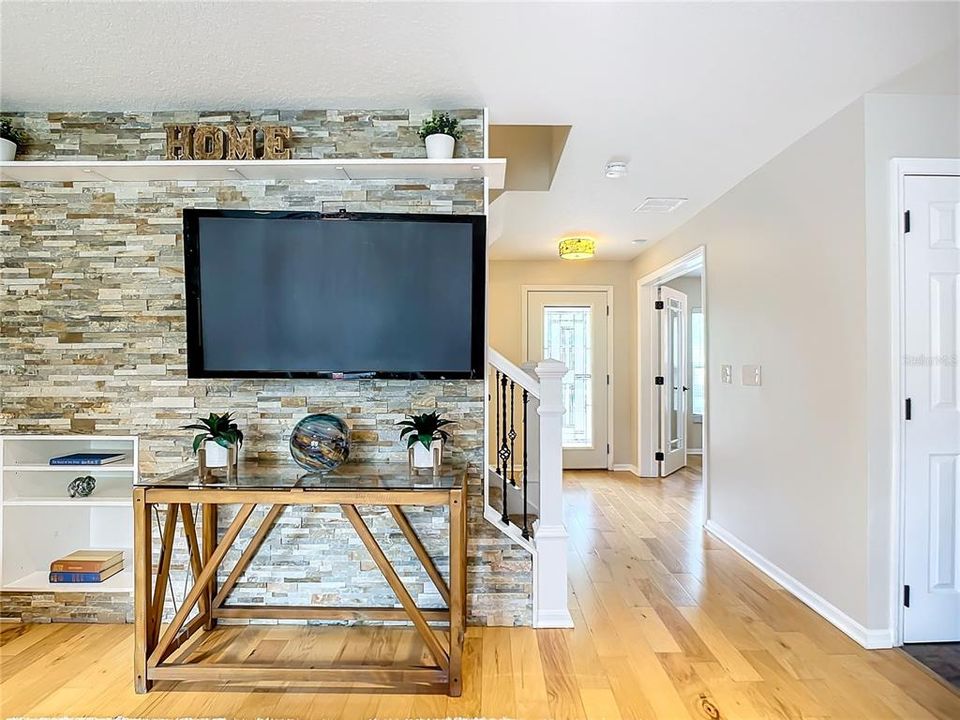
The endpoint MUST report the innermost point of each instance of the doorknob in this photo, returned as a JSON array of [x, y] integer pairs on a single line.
[[685, 388]]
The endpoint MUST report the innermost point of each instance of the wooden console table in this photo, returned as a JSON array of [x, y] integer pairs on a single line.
[[393, 486]]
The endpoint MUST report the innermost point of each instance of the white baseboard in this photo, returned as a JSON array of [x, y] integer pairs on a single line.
[[868, 638], [553, 619], [694, 451], [626, 468]]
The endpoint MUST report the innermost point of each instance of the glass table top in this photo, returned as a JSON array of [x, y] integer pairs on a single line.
[[288, 476]]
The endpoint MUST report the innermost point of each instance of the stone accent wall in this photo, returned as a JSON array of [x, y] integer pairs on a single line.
[[80, 607], [93, 340]]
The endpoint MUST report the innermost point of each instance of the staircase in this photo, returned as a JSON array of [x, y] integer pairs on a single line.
[[524, 490]]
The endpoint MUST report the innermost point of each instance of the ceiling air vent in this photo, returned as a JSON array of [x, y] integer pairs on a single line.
[[659, 204]]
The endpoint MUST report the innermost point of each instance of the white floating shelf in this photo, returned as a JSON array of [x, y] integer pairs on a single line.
[[40, 582], [65, 502], [110, 467], [304, 170]]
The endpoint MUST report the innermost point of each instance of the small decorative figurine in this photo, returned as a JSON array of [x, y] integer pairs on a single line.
[[82, 486]]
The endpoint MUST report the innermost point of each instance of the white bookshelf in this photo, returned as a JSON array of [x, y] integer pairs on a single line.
[[40, 522]]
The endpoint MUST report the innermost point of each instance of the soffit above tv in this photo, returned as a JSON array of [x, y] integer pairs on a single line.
[[494, 170]]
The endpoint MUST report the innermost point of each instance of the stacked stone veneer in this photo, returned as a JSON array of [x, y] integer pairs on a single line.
[[93, 340]]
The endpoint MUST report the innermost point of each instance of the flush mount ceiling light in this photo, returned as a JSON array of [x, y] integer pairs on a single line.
[[615, 169], [659, 204], [577, 248]]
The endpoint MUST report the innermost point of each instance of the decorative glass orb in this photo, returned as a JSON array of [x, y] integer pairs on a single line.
[[320, 443]]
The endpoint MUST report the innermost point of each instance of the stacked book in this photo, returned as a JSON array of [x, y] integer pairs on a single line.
[[86, 566]]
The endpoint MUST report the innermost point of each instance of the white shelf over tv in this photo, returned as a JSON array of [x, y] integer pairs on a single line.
[[305, 170]]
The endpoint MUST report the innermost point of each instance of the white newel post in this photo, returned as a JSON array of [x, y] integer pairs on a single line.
[[550, 595]]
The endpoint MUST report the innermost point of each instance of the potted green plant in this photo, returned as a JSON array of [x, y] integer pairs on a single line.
[[425, 437], [10, 139], [440, 133], [220, 432]]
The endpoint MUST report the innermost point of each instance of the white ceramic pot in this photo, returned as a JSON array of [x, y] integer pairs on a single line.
[[440, 146], [8, 149], [216, 454], [423, 458]]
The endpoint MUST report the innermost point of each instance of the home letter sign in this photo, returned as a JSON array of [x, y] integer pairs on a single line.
[[209, 142]]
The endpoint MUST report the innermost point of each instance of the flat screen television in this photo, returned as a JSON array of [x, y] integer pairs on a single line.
[[306, 294]]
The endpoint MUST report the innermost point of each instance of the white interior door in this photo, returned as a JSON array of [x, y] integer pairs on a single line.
[[571, 326], [932, 388], [672, 382]]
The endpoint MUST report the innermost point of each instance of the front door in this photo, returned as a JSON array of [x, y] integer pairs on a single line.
[[931, 328], [672, 380], [571, 326]]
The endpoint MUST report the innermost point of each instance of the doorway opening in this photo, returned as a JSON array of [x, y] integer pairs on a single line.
[[672, 398], [574, 324]]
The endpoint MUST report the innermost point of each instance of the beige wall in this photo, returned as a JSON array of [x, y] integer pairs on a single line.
[[798, 280], [690, 286], [785, 285], [505, 333]]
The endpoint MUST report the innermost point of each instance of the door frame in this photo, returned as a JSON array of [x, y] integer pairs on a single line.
[[647, 404], [900, 169], [608, 290]]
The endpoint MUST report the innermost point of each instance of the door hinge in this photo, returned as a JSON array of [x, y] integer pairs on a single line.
[[658, 380], [608, 379], [658, 457], [658, 305], [608, 311], [608, 448], [906, 222], [906, 596], [907, 409]]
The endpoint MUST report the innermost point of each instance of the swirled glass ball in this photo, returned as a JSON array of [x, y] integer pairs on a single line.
[[320, 443]]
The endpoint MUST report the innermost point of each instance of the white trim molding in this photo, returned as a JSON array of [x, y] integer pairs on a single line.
[[900, 169], [626, 467], [867, 637]]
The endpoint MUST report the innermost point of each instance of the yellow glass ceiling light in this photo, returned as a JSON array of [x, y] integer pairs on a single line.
[[577, 248]]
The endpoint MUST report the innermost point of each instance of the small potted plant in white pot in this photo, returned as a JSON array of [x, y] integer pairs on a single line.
[[440, 133], [10, 139], [219, 434], [425, 437]]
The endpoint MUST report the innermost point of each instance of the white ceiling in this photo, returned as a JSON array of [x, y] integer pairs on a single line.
[[696, 96]]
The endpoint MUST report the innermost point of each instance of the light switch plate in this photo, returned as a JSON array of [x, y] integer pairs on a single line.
[[726, 374], [750, 375]]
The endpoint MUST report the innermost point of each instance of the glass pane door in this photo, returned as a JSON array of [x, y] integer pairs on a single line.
[[675, 379], [567, 338]]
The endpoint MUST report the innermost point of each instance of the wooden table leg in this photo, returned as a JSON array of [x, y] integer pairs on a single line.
[[458, 600], [142, 577], [209, 543]]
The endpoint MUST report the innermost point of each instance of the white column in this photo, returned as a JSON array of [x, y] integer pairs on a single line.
[[550, 593]]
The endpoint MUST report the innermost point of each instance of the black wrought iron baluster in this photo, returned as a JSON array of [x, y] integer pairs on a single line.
[[504, 450], [496, 416], [523, 471], [513, 439]]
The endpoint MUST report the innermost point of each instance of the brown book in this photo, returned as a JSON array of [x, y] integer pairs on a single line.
[[87, 561]]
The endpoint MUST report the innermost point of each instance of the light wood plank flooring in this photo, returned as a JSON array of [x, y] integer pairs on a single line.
[[670, 624]]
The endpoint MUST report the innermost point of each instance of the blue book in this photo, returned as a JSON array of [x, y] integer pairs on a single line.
[[85, 577], [87, 459]]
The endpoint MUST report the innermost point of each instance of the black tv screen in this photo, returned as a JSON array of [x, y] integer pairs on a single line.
[[305, 294]]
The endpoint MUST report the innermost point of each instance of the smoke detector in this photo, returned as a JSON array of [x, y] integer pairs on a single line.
[[659, 204], [615, 169]]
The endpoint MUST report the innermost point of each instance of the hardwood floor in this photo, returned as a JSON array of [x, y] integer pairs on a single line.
[[670, 624]]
